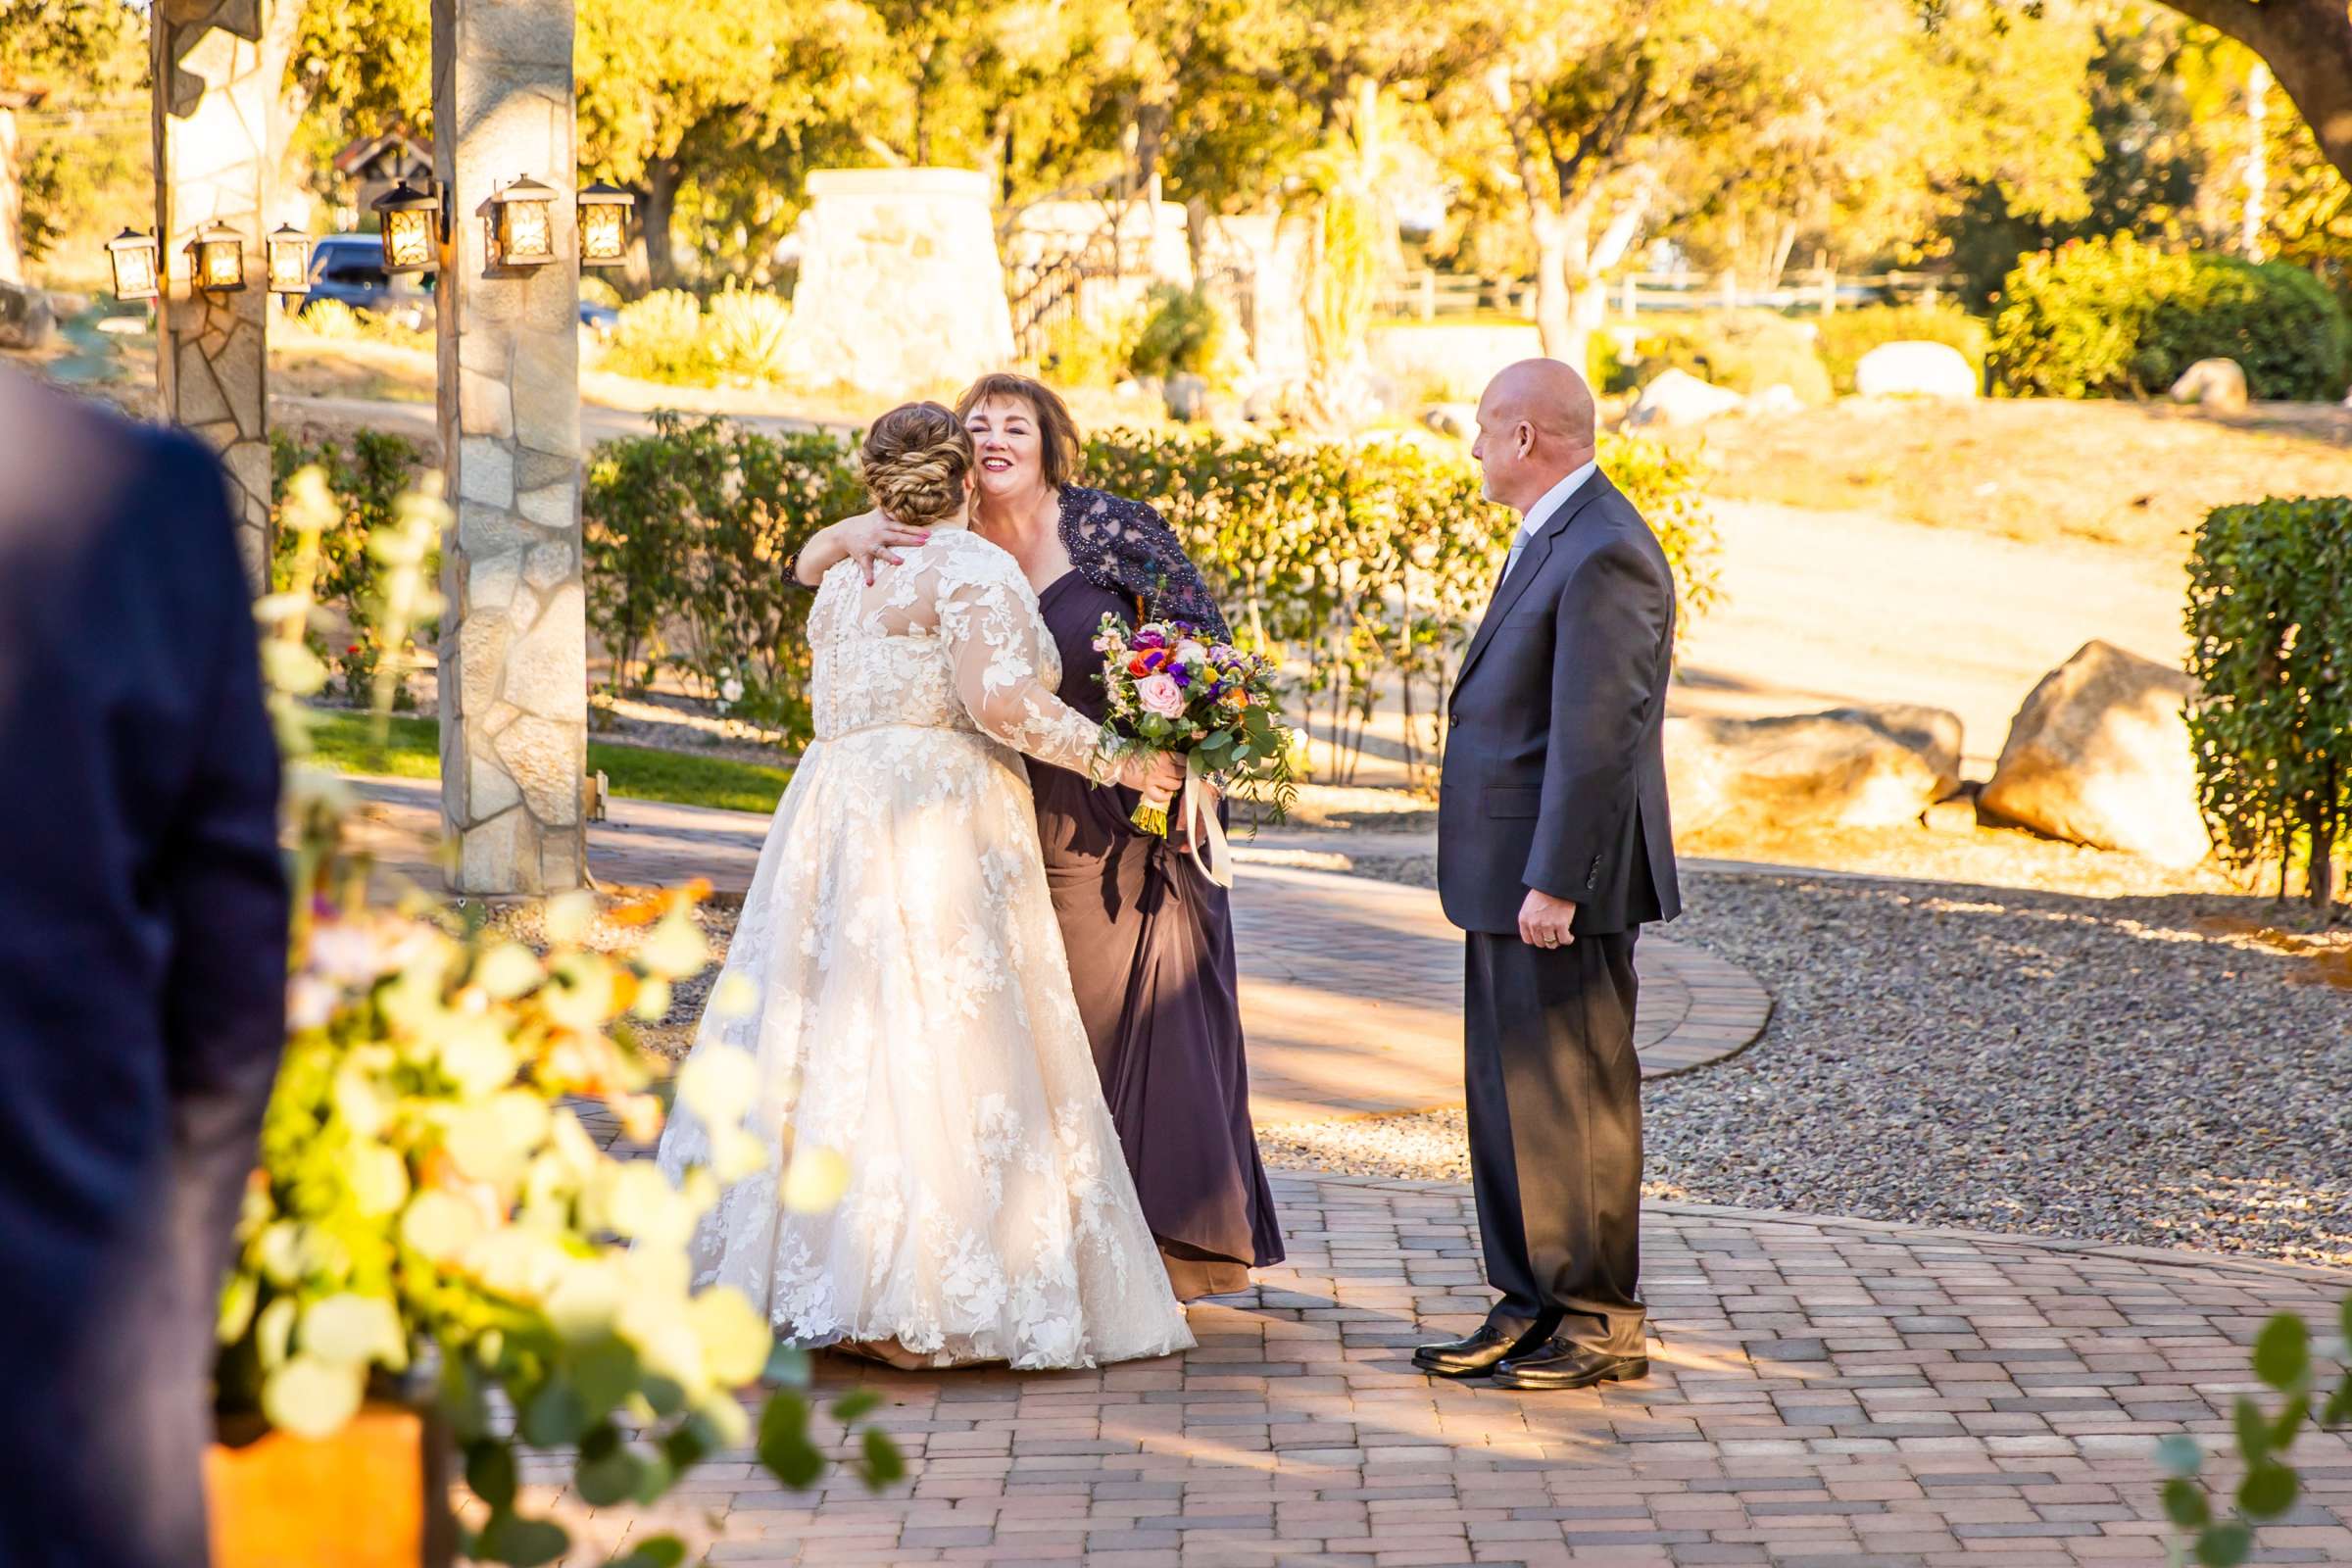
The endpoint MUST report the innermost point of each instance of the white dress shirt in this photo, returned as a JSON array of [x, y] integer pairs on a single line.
[[1541, 513]]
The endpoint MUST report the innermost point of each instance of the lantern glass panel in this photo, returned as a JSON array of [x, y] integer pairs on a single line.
[[289, 265], [221, 264], [134, 268], [525, 231], [604, 234], [408, 241]]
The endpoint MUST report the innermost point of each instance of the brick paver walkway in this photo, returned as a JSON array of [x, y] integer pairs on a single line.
[[1351, 989], [1822, 1391]]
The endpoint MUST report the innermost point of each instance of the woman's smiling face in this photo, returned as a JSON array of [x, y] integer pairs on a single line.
[[1010, 447]]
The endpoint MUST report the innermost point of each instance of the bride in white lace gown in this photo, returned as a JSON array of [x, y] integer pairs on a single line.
[[912, 1010]]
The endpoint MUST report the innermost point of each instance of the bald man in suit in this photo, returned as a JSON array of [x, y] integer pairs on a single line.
[[1553, 850]]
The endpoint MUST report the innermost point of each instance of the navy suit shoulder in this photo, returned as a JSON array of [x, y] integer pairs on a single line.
[[1555, 772]]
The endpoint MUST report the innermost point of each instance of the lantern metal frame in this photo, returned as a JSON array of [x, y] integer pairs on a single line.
[[131, 242], [209, 243], [505, 214], [593, 202], [286, 276], [406, 205]]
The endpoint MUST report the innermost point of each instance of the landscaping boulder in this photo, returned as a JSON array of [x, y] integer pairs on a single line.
[[1848, 768], [2100, 755], [2218, 386], [1185, 395], [1915, 370], [1780, 398], [1676, 398], [26, 319]]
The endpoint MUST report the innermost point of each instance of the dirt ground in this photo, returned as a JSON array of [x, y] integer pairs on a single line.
[[2140, 476]]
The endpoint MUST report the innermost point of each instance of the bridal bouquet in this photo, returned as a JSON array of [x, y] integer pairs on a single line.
[[1171, 690]]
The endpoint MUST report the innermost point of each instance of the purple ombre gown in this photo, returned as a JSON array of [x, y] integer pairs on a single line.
[[1149, 938]]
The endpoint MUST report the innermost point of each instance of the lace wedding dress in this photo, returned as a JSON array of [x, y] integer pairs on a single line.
[[913, 1008]]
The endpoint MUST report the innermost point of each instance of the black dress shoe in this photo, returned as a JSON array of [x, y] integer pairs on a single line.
[[1471, 1357], [1559, 1363]]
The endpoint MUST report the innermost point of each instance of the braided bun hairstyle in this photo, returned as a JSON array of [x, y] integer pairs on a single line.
[[918, 463]]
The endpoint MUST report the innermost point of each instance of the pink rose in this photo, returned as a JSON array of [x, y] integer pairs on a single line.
[[1162, 694]]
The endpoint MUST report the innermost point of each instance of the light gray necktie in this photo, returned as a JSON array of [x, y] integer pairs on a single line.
[[1510, 562]]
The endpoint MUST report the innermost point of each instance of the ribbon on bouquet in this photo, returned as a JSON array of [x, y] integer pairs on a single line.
[[1198, 813]]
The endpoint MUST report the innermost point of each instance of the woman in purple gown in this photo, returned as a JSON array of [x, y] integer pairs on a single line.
[[1149, 938]]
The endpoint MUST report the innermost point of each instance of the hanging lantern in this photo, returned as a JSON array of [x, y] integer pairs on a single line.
[[133, 257], [289, 260], [522, 228], [409, 217], [219, 252], [605, 224]]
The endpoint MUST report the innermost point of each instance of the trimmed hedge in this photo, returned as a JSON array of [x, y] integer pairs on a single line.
[[2117, 318], [1362, 566], [2270, 610]]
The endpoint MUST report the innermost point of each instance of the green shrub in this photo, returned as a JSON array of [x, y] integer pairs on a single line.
[[1091, 349], [687, 530], [1846, 336], [2270, 610], [366, 482], [2117, 318], [1364, 567], [1183, 332], [1742, 351], [661, 338], [597, 291], [747, 331]]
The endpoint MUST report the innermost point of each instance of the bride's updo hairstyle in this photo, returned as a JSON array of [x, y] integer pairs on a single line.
[[918, 463]]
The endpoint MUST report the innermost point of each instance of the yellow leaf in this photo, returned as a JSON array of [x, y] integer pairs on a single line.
[[717, 1084], [378, 1178], [569, 915], [310, 1398], [356, 1329], [508, 970], [736, 1339], [676, 949], [440, 1226], [815, 1180]]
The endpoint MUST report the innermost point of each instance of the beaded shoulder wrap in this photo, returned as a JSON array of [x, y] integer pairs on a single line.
[[1127, 548]]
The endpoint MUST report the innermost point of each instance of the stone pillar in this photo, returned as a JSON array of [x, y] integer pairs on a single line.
[[219, 66], [513, 639], [902, 293]]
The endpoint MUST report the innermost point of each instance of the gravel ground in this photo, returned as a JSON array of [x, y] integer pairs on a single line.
[[2107, 1051]]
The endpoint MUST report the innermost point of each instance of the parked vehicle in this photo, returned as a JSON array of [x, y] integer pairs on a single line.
[[349, 269]]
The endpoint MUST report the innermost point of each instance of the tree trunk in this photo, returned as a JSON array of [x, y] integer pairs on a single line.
[[663, 178], [2308, 46], [12, 203], [1566, 295]]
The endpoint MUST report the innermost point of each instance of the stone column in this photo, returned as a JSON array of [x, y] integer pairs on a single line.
[[219, 66], [513, 639]]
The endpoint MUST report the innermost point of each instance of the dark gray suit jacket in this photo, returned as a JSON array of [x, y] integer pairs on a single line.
[[1554, 777], [142, 972]]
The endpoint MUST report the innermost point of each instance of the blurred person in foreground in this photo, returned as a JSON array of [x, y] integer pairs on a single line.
[[142, 972]]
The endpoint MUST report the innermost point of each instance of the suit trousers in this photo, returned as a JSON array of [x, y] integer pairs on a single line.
[[1554, 1093]]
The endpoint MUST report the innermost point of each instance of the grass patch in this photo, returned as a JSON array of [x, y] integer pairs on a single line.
[[344, 743]]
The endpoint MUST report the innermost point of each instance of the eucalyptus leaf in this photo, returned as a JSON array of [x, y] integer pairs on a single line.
[[884, 1465], [2267, 1491], [492, 1472], [2253, 1430], [2180, 1455], [2282, 1353], [784, 1446], [555, 1417], [657, 1552], [2184, 1503], [508, 1537], [310, 1398], [2224, 1545]]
